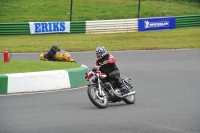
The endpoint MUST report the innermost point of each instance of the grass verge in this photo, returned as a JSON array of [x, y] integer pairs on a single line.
[[165, 39], [17, 66]]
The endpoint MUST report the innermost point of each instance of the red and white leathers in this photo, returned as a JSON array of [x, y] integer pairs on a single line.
[[109, 68], [109, 64]]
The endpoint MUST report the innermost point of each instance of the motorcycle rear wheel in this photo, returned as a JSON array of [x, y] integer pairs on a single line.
[[99, 101]]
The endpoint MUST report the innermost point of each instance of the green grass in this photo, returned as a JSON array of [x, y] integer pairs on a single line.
[[16, 66], [166, 39], [51, 10]]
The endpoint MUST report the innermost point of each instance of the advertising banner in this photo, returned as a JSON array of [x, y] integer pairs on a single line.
[[146, 24], [49, 27]]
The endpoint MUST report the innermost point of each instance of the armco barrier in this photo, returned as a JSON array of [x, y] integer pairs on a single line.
[[42, 81], [188, 21], [14, 28], [77, 27], [111, 26], [99, 26]]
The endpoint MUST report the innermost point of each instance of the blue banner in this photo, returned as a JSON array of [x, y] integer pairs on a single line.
[[146, 24]]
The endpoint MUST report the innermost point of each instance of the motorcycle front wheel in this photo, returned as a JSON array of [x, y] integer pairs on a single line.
[[129, 99], [98, 100]]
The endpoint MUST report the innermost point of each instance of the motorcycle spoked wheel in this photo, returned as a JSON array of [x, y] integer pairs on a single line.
[[129, 99], [99, 101]]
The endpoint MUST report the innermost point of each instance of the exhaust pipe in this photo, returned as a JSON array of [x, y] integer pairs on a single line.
[[122, 96], [131, 93]]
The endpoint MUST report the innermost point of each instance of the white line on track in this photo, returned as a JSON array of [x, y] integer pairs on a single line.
[[40, 92]]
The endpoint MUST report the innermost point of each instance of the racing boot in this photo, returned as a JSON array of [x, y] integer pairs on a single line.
[[121, 86]]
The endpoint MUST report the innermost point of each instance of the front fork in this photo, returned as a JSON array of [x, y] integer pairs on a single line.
[[127, 83], [100, 93], [99, 87]]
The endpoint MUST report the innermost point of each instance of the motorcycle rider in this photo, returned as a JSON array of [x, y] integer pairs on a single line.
[[106, 64], [52, 52]]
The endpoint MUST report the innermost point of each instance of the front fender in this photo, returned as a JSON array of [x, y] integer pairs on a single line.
[[91, 84]]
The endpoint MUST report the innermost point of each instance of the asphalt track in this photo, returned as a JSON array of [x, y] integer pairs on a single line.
[[167, 83]]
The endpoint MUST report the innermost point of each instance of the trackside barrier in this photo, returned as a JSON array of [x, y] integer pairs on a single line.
[[24, 28], [3, 83], [108, 26], [42, 81], [188, 21], [111, 26], [21, 28], [77, 27]]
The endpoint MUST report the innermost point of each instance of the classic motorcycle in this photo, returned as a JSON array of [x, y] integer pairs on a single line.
[[60, 55], [102, 90]]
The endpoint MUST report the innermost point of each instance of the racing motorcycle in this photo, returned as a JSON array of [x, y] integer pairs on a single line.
[[102, 90], [60, 55]]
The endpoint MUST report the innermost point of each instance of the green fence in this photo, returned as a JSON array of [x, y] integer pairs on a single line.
[[188, 21], [77, 27], [14, 28]]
